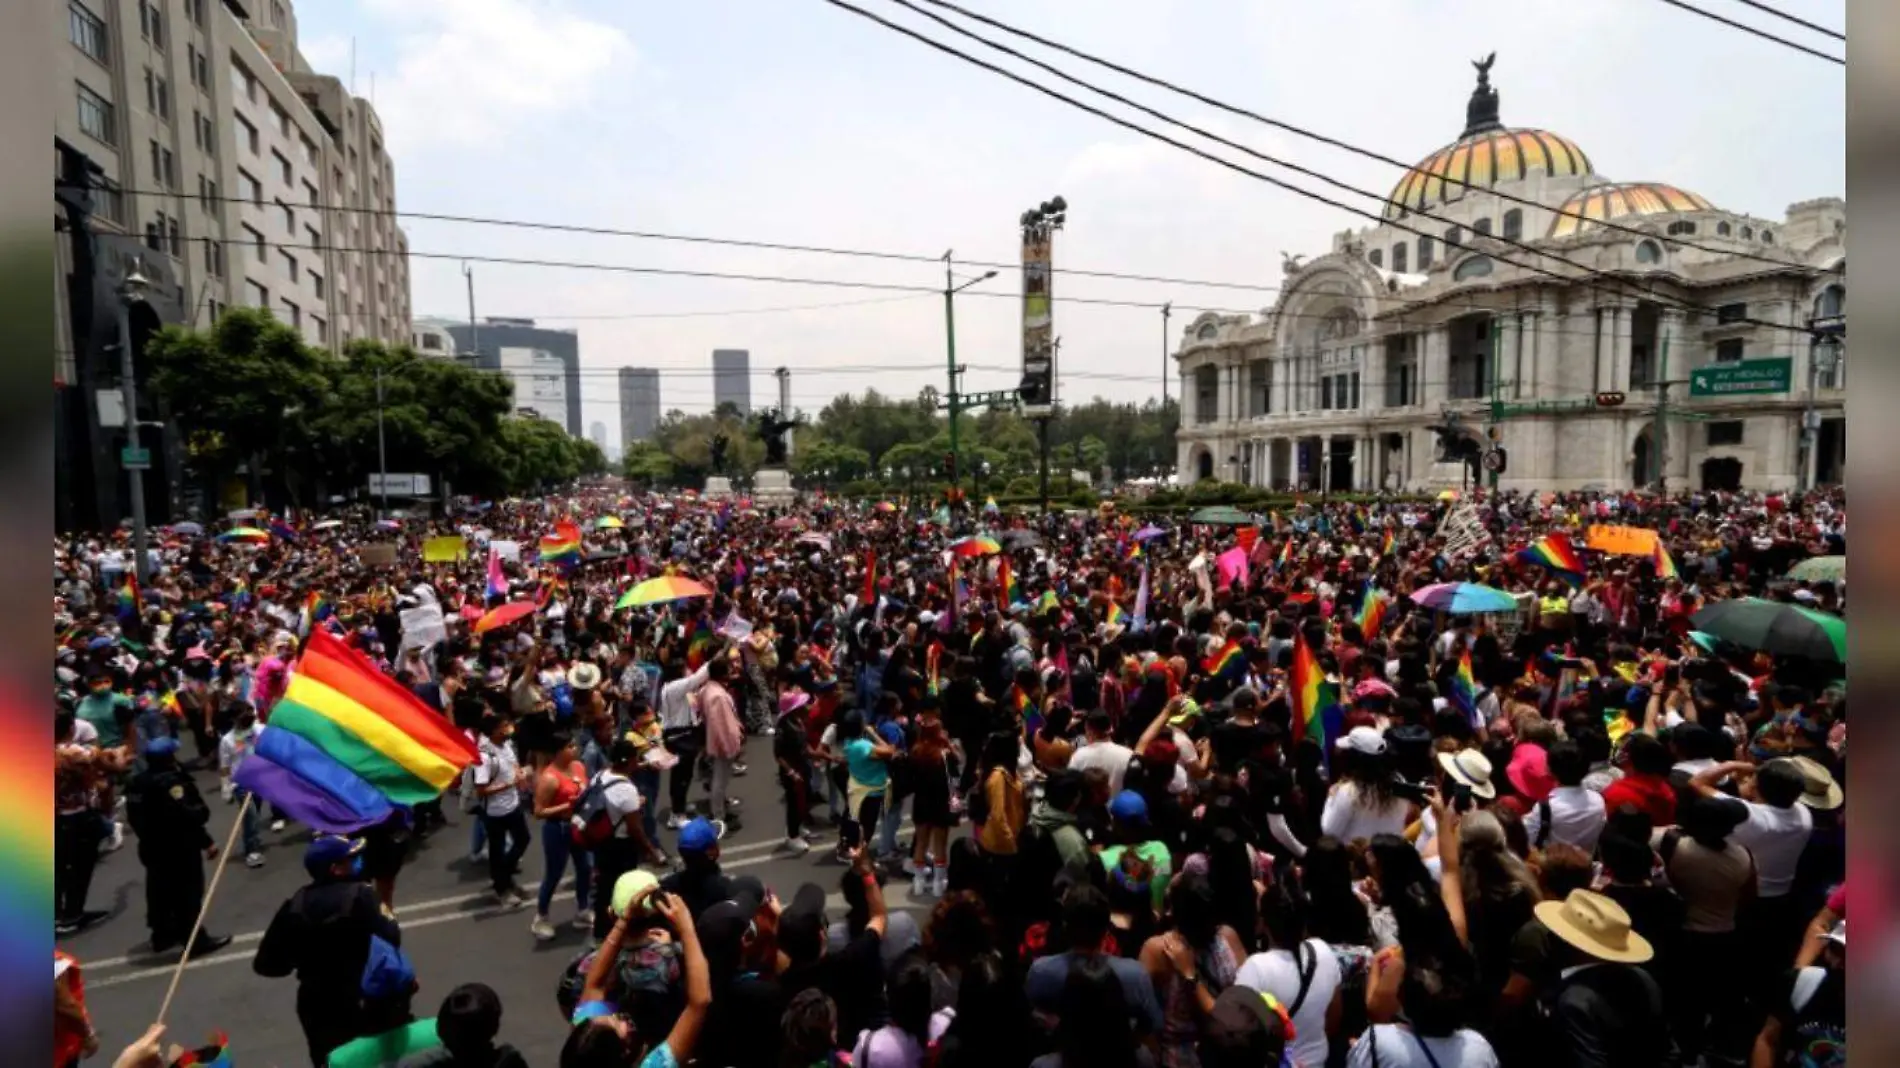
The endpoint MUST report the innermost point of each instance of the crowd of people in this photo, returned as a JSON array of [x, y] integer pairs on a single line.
[[1166, 806]]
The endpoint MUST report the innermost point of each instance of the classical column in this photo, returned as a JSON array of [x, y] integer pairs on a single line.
[[1533, 351], [1603, 364], [1510, 363], [1672, 343], [1372, 384], [1434, 368], [1620, 340]]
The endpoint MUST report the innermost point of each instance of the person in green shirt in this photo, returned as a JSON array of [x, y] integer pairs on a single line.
[[1144, 857], [393, 1032], [105, 708]]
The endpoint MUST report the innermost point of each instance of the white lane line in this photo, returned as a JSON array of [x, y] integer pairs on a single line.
[[405, 917]]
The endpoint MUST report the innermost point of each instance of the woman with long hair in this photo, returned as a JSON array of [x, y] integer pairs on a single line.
[[1231, 879], [1190, 965], [1363, 802], [1500, 896], [989, 1027], [1093, 1028], [1338, 916], [902, 1042], [932, 778]]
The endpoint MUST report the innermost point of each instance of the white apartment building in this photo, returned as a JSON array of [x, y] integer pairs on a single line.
[[258, 181]]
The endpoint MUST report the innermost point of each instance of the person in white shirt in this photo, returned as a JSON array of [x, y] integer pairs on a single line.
[[499, 779], [1362, 804], [236, 744], [1778, 825], [1571, 814], [1434, 1004], [1301, 973], [1101, 752], [684, 735]]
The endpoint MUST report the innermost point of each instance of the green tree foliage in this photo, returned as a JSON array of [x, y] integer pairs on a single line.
[[647, 464]]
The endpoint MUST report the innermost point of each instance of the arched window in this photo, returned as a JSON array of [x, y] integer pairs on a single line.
[[1722, 229], [1748, 233], [1681, 226], [1472, 267], [1482, 226], [1648, 252], [1767, 237], [1398, 257], [1206, 332], [1831, 302], [1424, 252], [1513, 224], [1376, 257], [1454, 238]]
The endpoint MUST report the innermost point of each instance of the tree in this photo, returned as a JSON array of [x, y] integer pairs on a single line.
[[647, 464]]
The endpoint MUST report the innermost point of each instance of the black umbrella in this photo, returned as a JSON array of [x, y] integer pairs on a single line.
[[1019, 539], [1774, 627]]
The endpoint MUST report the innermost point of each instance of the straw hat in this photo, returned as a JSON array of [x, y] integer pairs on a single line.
[[583, 676], [1819, 788], [1596, 925], [1471, 768]]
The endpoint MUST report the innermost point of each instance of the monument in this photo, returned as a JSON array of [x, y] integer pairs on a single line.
[[717, 484], [773, 485]]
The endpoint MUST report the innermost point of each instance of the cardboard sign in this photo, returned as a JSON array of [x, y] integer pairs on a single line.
[[423, 627], [1621, 541], [380, 554], [506, 549], [447, 549]]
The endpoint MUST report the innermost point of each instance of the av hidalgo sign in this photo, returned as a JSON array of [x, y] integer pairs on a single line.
[[1773, 374]]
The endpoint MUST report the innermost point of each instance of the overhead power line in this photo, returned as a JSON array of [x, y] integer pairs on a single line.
[[1758, 32], [1300, 131], [1588, 278], [1770, 9]]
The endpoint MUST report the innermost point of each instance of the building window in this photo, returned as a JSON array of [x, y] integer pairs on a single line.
[[1471, 267], [316, 284], [1482, 226], [217, 310], [155, 235], [1726, 432], [1680, 227], [214, 258], [1376, 257], [282, 118], [1648, 252], [95, 116], [163, 170], [1731, 313], [322, 328], [197, 10], [290, 218], [1206, 389], [1326, 393], [108, 201], [1831, 302], [210, 137], [315, 239], [283, 167], [1722, 229], [1513, 224], [1748, 233], [290, 264], [312, 198], [290, 313], [1767, 237], [259, 250], [1424, 252], [1398, 257], [1353, 402], [1728, 350], [152, 24], [242, 83], [256, 295], [158, 95], [247, 133], [250, 188], [87, 30], [1259, 387], [1454, 238]]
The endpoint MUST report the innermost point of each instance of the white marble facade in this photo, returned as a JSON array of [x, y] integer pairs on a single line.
[[1339, 382]]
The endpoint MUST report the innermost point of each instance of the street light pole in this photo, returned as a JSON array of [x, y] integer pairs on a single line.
[[955, 398], [1166, 310], [131, 291]]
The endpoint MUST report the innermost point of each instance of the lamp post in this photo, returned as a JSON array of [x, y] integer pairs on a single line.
[[950, 290], [132, 291]]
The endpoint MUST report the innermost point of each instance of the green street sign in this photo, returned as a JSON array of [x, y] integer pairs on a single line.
[[1773, 374], [135, 459]]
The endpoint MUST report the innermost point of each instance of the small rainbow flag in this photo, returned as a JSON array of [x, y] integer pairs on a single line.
[[1357, 520], [1026, 709], [1371, 613], [1464, 687], [1554, 552], [1282, 561], [1117, 615], [129, 606], [1317, 714], [240, 594], [989, 504], [1228, 659], [1665, 564], [1385, 549], [558, 550], [700, 645], [1007, 590]]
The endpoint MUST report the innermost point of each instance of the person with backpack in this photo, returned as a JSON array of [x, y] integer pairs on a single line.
[[556, 789], [606, 820], [324, 935]]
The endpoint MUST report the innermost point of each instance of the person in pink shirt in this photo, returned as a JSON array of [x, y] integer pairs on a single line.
[[724, 737], [273, 676]]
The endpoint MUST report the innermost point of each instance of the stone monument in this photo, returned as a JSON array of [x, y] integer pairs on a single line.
[[772, 487], [717, 484]]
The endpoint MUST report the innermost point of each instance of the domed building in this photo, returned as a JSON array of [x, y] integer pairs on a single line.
[[1515, 308]]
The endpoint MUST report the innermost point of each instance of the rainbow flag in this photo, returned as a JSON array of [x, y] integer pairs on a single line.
[[699, 646], [1317, 714], [989, 504], [1464, 687], [283, 530], [1665, 564], [168, 702], [1554, 552], [1007, 592], [1117, 615], [240, 594], [1385, 548], [1027, 710], [315, 610], [1371, 613], [1228, 660], [560, 551], [129, 606], [1281, 562], [1141, 601], [1357, 520], [347, 744]]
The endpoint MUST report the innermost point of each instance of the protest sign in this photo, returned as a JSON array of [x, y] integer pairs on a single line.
[[447, 549], [380, 554], [1621, 541], [423, 627], [506, 549]]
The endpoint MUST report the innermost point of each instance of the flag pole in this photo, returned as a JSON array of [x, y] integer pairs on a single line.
[[211, 890]]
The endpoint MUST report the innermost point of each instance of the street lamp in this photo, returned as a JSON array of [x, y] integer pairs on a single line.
[[950, 290], [132, 291]]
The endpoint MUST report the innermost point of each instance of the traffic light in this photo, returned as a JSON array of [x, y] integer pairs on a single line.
[[1610, 398]]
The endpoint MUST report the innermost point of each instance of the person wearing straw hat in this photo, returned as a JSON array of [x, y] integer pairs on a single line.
[[1605, 1009]]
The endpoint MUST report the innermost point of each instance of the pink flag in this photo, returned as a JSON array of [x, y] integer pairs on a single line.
[[497, 582], [1233, 565]]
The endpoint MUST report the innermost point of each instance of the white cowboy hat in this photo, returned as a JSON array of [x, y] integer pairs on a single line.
[[583, 676], [1596, 925], [1472, 769]]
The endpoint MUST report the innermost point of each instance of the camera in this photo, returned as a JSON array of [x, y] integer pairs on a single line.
[[1417, 793]]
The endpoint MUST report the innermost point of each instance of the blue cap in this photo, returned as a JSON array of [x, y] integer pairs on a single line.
[[698, 836], [1129, 807], [387, 973], [327, 849], [163, 745]]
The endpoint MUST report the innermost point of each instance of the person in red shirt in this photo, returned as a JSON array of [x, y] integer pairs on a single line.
[[1645, 782]]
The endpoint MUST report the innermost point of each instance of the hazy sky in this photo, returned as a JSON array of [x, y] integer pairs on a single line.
[[797, 122]]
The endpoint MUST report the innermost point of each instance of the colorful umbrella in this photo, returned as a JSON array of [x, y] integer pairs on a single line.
[[1150, 531], [886, 506], [1773, 627], [976, 546], [248, 535], [658, 590], [821, 541], [1813, 569], [327, 524], [786, 523], [1460, 598], [608, 522], [188, 528], [504, 615]]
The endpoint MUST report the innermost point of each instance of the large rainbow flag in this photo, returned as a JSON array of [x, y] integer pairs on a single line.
[[347, 745], [1228, 660], [1371, 613], [1317, 714], [1554, 552], [1464, 686], [1664, 563]]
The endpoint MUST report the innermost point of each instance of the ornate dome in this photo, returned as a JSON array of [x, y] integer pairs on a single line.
[[1601, 203], [1484, 155]]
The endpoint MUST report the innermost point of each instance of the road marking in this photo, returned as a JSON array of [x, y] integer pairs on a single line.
[[406, 917]]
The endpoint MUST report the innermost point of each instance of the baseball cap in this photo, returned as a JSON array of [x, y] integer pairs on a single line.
[[327, 849], [163, 745], [1129, 807], [1365, 740], [698, 836]]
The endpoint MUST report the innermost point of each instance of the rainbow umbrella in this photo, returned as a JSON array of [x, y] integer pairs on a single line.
[[886, 506], [977, 545], [247, 535], [504, 615], [787, 523], [608, 522], [662, 589], [1149, 531]]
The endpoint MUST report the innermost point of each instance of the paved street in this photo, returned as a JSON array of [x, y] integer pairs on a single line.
[[450, 929]]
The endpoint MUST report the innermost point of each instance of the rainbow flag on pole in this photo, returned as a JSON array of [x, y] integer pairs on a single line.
[[1371, 613], [1007, 590], [1317, 714], [1464, 686], [1555, 553], [129, 606], [700, 645], [1285, 558], [1665, 564], [347, 745], [1229, 659]]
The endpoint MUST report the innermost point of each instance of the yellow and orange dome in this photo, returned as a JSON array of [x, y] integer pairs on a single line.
[[1482, 160], [1622, 200]]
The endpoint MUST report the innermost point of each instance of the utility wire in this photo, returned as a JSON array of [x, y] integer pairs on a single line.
[[1761, 33], [1770, 9], [1585, 279], [1300, 131]]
